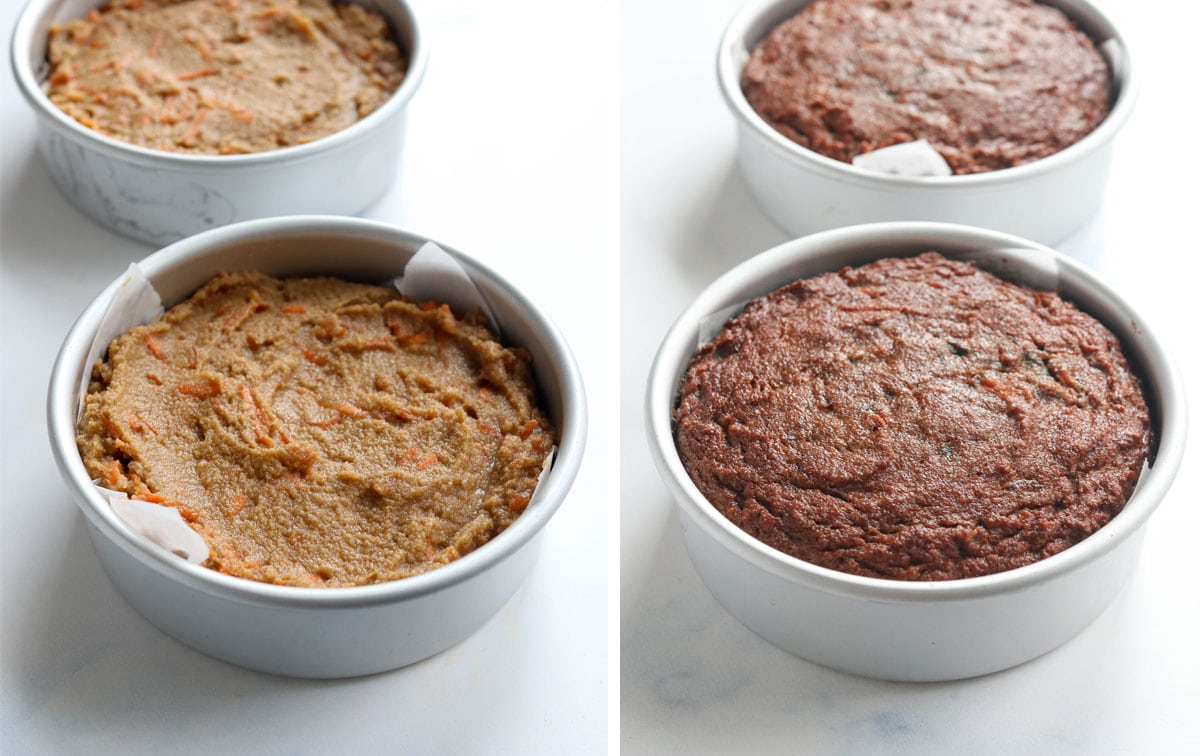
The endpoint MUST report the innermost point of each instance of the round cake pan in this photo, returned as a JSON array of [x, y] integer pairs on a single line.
[[804, 191], [319, 632], [924, 630], [159, 197]]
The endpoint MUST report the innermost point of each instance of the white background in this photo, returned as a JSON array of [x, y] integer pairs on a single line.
[[693, 680], [512, 158]]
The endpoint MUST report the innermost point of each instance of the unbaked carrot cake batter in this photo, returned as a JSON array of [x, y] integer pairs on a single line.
[[318, 432], [222, 76]]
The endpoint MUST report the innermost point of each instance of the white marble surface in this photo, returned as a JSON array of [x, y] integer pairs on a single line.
[[695, 681], [511, 158]]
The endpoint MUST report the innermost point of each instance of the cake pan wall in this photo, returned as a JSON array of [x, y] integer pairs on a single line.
[[312, 632], [902, 630], [803, 191], [158, 197]]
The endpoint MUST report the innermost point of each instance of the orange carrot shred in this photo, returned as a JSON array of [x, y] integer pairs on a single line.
[[200, 45], [156, 45], [257, 416], [518, 502], [138, 424], [193, 129], [295, 308], [113, 474], [237, 504], [242, 314], [110, 427], [528, 428], [154, 379], [197, 74], [328, 423], [154, 347], [316, 358], [380, 343], [204, 389]]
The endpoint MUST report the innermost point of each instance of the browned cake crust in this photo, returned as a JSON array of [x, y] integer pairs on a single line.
[[317, 432], [914, 419], [988, 83]]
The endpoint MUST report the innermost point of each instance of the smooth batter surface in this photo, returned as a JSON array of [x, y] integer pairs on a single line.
[[222, 76], [914, 419], [317, 432], [989, 84]]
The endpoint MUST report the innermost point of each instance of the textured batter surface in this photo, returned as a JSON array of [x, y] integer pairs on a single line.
[[222, 76], [914, 419], [318, 432], [989, 84]]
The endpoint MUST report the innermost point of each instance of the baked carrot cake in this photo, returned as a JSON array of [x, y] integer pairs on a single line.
[[318, 432], [913, 419], [989, 84], [222, 76]]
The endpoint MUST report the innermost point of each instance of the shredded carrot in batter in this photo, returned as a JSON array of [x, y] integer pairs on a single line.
[[204, 389], [196, 74], [154, 347], [113, 474], [258, 419], [157, 44], [518, 502], [193, 130], [237, 504]]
